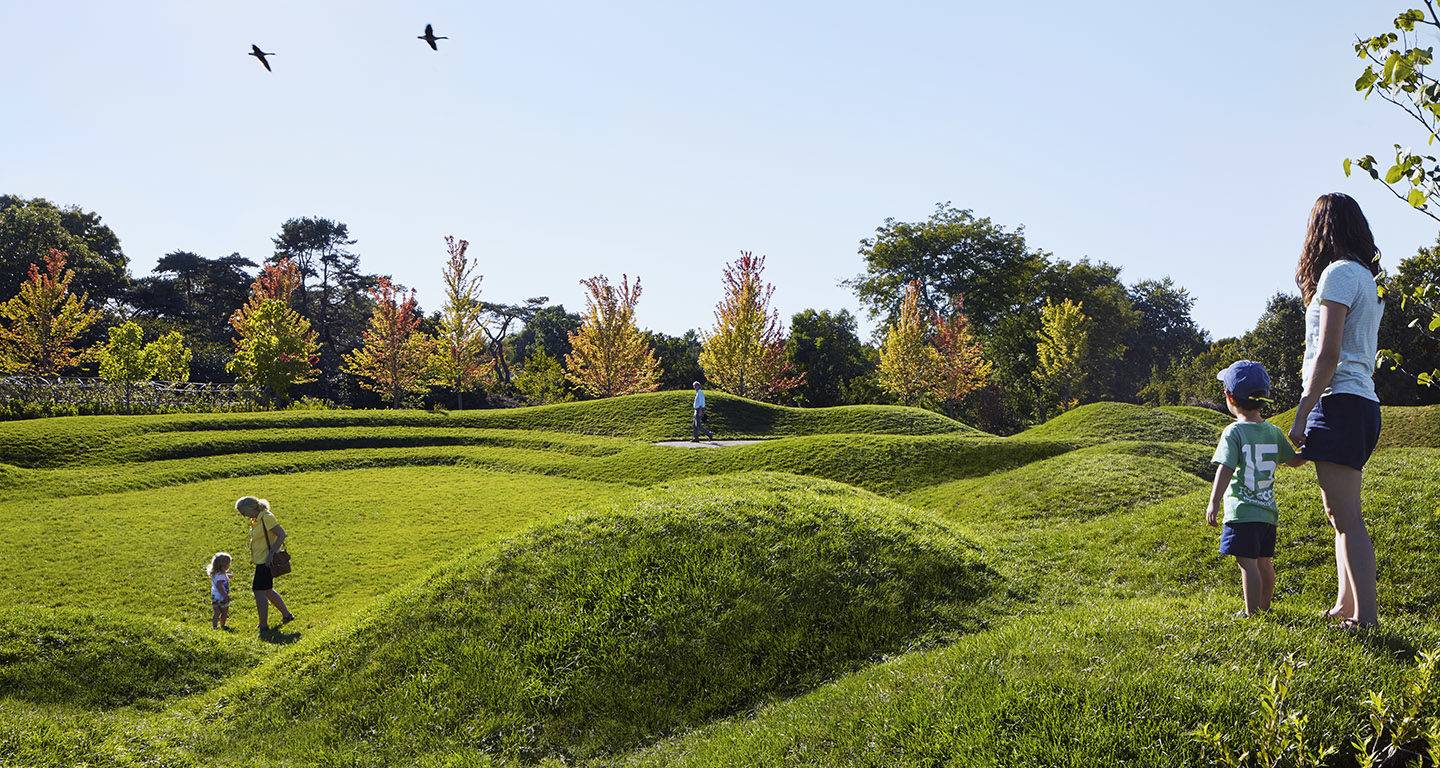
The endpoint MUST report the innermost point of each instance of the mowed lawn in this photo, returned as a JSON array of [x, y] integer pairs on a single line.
[[354, 535]]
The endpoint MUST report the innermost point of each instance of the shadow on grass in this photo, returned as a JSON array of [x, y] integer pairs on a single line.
[[276, 637]]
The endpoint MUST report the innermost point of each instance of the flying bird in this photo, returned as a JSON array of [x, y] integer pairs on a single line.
[[430, 37], [259, 54]]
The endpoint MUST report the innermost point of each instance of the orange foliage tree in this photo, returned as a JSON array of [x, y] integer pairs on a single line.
[[960, 367], [39, 325], [744, 354], [608, 353], [275, 347], [396, 357]]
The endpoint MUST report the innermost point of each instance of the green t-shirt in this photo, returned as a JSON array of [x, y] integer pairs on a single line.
[[1253, 449]]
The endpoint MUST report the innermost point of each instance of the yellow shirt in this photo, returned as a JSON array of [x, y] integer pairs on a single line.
[[259, 549]]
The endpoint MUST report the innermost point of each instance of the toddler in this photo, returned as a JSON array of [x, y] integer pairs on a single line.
[[1247, 455], [219, 571]]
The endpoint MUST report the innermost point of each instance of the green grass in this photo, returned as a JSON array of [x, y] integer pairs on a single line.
[[599, 633], [543, 586]]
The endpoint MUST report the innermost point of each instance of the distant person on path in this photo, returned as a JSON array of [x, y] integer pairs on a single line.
[[219, 572], [1244, 492], [698, 422], [266, 536], [1337, 422]]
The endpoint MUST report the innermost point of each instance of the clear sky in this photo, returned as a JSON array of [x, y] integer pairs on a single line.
[[568, 139]]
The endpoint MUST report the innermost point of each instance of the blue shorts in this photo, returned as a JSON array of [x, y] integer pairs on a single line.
[[1248, 540], [1342, 429]]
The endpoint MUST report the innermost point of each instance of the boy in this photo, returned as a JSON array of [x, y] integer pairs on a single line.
[[1247, 454]]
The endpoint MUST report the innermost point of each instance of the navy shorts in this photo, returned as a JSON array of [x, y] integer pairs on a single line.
[[1248, 540], [1342, 429], [263, 580]]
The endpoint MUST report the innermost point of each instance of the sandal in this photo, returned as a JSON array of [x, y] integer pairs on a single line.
[[1330, 614], [1351, 625]]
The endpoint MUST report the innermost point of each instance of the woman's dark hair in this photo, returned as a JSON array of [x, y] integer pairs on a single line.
[[1337, 230]]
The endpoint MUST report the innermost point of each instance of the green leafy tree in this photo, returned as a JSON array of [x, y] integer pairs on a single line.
[[1062, 351], [275, 348], [952, 253], [1165, 331], [460, 344], [126, 360], [679, 358], [608, 354], [1278, 342], [39, 326], [1396, 70], [396, 358], [542, 379], [1192, 381], [549, 328], [907, 360], [744, 353], [825, 348], [30, 228], [1111, 317], [194, 295]]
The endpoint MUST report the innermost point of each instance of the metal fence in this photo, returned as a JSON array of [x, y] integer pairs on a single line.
[[98, 395]]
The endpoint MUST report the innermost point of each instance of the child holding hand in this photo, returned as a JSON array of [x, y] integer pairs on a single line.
[[219, 571], [1248, 454]]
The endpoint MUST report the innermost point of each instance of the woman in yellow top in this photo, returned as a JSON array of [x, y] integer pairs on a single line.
[[266, 536]]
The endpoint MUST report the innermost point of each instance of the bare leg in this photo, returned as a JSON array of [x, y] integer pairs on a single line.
[[1266, 567], [262, 608], [215, 617], [1251, 584], [1344, 599], [278, 603], [1340, 490]]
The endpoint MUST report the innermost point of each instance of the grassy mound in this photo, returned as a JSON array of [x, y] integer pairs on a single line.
[[1076, 485], [609, 630], [66, 441], [1105, 422], [96, 660], [1112, 683]]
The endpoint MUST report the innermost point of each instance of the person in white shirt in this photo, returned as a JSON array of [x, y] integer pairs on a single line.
[[697, 422]]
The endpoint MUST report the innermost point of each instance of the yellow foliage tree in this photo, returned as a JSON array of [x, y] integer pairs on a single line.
[[396, 356], [1064, 343], [608, 354], [460, 345], [909, 363], [744, 354]]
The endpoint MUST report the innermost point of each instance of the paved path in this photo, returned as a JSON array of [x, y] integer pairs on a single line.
[[706, 443]]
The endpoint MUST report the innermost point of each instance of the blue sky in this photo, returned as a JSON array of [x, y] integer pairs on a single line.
[[659, 139]]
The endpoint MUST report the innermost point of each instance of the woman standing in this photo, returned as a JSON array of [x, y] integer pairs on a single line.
[[266, 536], [1338, 420]]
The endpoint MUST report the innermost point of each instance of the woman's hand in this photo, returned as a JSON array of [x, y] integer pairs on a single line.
[[1297, 432]]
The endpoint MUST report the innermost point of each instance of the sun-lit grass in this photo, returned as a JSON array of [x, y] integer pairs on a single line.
[[1053, 598]]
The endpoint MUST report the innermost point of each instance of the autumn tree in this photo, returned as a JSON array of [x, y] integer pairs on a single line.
[[460, 343], [126, 360], [960, 366], [275, 347], [1064, 344], [908, 362], [608, 354], [396, 357], [744, 354], [40, 325]]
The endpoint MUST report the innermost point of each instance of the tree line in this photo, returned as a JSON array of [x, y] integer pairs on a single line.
[[973, 322]]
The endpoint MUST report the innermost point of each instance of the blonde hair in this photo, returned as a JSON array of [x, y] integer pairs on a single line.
[[251, 507], [211, 569]]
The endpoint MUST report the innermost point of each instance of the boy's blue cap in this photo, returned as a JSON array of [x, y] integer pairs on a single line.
[[1246, 378]]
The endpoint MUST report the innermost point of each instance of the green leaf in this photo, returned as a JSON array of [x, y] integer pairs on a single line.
[[1395, 174], [1366, 79], [1387, 77], [1435, 323], [1347, 167], [1417, 198]]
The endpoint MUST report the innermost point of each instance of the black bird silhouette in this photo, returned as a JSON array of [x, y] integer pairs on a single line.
[[259, 54], [430, 38]]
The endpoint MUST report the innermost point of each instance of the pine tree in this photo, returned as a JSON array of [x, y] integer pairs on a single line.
[[275, 347], [744, 354], [1064, 343], [396, 356], [608, 354], [460, 346], [908, 362], [960, 367], [39, 325]]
